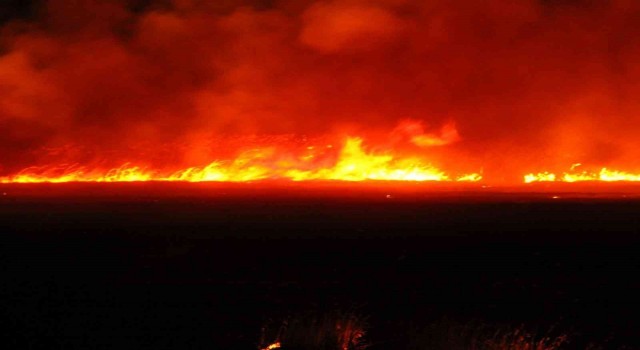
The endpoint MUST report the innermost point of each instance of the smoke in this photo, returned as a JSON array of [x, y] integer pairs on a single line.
[[530, 84]]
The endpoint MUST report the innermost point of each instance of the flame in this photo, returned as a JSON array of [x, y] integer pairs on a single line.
[[188, 70], [604, 174], [353, 163], [76, 173], [475, 177], [275, 345], [539, 177], [613, 175], [278, 160]]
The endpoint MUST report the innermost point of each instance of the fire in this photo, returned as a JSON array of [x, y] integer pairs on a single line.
[[539, 177], [275, 345], [355, 164], [612, 175], [100, 91], [604, 174], [352, 163], [76, 173]]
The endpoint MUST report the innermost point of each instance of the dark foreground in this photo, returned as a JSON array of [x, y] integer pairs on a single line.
[[159, 267]]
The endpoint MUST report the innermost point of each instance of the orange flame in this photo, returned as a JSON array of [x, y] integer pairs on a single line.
[[604, 174], [275, 345], [353, 163]]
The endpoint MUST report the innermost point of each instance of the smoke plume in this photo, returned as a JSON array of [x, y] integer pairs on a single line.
[[528, 84]]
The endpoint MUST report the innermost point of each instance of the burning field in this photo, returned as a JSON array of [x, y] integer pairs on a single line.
[[503, 92], [320, 174]]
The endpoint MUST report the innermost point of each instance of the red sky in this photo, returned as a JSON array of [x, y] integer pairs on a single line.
[[529, 84]]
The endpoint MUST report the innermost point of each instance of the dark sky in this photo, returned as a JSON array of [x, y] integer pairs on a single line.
[[10, 9], [14, 9]]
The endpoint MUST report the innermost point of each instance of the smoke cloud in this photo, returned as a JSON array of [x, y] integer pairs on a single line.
[[529, 84]]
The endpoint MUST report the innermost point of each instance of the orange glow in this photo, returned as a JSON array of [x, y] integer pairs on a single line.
[[275, 345], [104, 91], [539, 177], [352, 163], [604, 174], [76, 173]]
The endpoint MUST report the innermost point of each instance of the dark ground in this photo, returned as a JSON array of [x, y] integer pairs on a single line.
[[204, 266]]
